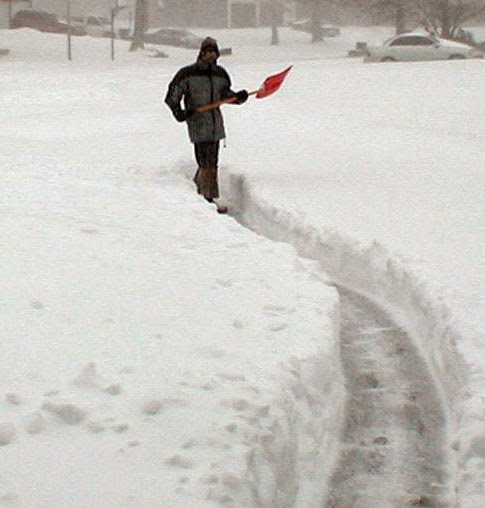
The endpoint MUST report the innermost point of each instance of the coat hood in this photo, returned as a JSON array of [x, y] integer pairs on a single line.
[[207, 44]]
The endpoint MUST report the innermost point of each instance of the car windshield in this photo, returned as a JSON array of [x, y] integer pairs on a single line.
[[431, 38]]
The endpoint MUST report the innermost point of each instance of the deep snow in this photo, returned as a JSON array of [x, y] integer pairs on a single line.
[[157, 354]]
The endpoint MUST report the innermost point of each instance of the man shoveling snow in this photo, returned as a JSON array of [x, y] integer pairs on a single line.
[[198, 85], [204, 86]]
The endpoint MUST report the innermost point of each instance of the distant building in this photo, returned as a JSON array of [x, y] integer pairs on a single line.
[[217, 13], [187, 13], [78, 7]]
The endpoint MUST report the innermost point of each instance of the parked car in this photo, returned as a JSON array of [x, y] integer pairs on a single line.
[[173, 37], [305, 25], [95, 26], [179, 37], [417, 46], [43, 21]]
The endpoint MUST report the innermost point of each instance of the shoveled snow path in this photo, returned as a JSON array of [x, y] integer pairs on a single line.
[[394, 430], [393, 450]]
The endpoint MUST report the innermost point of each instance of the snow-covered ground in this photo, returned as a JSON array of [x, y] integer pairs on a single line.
[[154, 353]]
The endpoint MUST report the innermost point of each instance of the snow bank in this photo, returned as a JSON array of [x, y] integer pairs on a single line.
[[414, 301]]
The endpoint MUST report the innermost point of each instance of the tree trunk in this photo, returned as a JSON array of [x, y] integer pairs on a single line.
[[400, 17], [140, 25], [275, 40], [316, 22], [446, 19]]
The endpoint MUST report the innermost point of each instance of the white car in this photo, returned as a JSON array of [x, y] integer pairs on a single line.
[[416, 46], [305, 25]]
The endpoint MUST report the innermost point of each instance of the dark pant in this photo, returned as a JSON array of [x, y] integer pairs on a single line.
[[207, 154], [207, 157]]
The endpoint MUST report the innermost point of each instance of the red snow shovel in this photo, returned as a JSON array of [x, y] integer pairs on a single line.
[[270, 86]]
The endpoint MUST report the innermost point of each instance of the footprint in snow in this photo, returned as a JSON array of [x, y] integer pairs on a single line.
[[155, 406], [231, 376], [120, 428], [179, 461], [277, 326], [89, 231], [237, 404], [34, 423], [95, 427], [224, 282], [36, 304], [90, 378], [13, 399], [7, 433], [67, 413], [276, 310]]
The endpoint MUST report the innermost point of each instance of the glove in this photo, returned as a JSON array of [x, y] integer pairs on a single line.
[[242, 96], [181, 115]]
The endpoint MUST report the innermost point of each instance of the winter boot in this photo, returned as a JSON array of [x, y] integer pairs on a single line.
[[211, 184], [206, 181]]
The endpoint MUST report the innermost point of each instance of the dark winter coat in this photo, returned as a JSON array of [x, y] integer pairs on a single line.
[[200, 84]]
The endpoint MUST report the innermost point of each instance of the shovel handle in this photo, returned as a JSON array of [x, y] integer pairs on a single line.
[[214, 105]]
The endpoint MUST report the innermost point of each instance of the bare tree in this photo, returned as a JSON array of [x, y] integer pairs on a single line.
[[441, 17], [141, 24], [398, 10], [446, 17]]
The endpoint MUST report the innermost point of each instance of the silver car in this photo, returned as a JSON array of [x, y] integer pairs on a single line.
[[416, 46], [305, 25]]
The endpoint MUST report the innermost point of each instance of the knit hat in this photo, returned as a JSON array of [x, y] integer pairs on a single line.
[[209, 44]]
